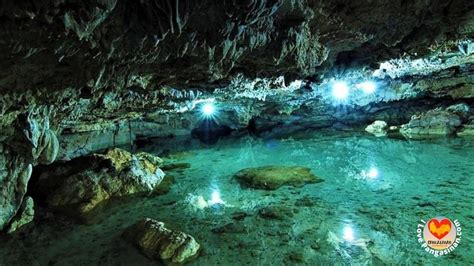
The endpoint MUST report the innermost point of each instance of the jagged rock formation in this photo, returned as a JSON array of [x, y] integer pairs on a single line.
[[25, 215], [436, 122], [77, 77], [158, 242], [78, 186], [32, 142]]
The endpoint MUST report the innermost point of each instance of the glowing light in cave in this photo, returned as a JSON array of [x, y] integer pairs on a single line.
[[348, 233], [215, 198], [340, 90], [208, 109], [372, 173], [368, 87]]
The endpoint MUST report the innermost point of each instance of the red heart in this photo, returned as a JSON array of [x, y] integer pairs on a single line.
[[439, 229]]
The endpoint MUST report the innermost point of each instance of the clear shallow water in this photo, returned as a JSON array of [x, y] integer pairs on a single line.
[[375, 191]]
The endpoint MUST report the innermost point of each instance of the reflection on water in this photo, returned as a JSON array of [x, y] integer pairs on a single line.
[[365, 212]]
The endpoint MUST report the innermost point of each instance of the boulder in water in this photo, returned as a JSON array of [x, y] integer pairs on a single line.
[[156, 241], [78, 186], [437, 122], [378, 128], [273, 177]]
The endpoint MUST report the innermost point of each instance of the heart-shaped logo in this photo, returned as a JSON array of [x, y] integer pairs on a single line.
[[439, 229]]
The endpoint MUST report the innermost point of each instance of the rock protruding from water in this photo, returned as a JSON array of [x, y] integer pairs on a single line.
[[273, 177], [437, 122], [79, 185], [467, 130], [158, 242], [378, 128]]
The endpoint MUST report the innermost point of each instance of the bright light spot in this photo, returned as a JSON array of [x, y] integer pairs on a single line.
[[216, 198], [367, 86], [208, 109], [348, 233], [373, 173], [340, 90]]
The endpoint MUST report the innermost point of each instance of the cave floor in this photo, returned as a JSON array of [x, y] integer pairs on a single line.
[[375, 192]]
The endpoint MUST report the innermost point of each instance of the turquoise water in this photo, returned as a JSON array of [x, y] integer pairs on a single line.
[[375, 192]]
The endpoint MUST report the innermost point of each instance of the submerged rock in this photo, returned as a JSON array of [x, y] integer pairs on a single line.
[[437, 122], [232, 228], [156, 241], [79, 185], [24, 215], [276, 212], [273, 177], [165, 185], [175, 166], [306, 201], [378, 128]]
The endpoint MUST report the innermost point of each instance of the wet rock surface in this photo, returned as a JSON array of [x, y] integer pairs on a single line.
[[467, 130], [158, 242], [32, 142], [377, 128], [79, 77], [78, 186], [276, 212], [273, 177], [434, 123], [25, 215]]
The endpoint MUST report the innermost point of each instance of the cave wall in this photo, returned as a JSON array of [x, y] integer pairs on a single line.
[[76, 77]]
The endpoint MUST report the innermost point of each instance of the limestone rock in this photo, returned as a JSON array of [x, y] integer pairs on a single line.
[[467, 130], [32, 142], [15, 172], [49, 147], [273, 177], [25, 215], [435, 122], [33, 137], [158, 242], [378, 128], [79, 185], [461, 109]]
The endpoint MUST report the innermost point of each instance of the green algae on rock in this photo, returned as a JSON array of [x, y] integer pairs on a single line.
[[467, 130], [78, 186], [158, 242], [273, 177]]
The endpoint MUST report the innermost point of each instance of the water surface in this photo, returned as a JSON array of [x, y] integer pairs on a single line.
[[366, 211]]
